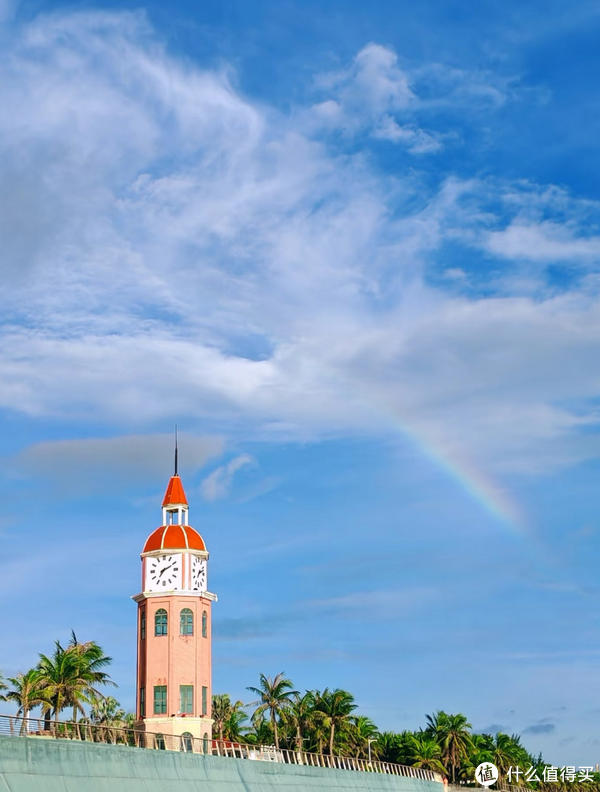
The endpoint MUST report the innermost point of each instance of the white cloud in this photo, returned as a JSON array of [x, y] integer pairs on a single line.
[[366, 96], [471, 91], [378, 79], [543, 241], [374, 82], [218, 483], [173, 250], [375, 96], [416, 140]]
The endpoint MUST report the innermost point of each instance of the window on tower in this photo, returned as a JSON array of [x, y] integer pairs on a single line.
[[186, 699], [173, 517], [143, 625], [186, 622], [204, 620], [142, 702], [204, 700], [160, 699], [160, 622]]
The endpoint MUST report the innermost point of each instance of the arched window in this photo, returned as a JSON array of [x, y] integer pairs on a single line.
[[204, 620], [160, 622], [186, 622], [205, 743], [160, 742], [187, 742]]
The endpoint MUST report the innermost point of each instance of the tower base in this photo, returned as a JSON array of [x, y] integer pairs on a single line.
[[179, 734]]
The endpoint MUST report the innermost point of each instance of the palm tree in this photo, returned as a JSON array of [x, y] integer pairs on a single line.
[[106, 711], [221, 709], [274, 696], [261, 732], [337, 706], [227, 717], [3, 686], [27, 692], [505, 752], [300, 716], [388, 747], [482, 751], [72, 675], [233, 726], [397, 748], [452, 734], [90, 660], [319, 731], [427, 754], [359, 733], [61, 678]]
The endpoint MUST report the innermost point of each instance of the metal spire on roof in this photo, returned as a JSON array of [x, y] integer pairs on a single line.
[[176, 449]]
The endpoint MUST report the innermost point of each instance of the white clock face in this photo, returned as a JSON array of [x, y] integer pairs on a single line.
[[198, 574], [163, 572]]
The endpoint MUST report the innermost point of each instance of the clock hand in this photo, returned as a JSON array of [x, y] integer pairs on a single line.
[[168, 567]]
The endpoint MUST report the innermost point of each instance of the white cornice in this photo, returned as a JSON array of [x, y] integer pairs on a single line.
[[200, 594], [170, 551]]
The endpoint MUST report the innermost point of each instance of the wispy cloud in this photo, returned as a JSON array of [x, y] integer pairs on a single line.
[[218, 483], [370, 96], [417, 140], [544, 241], [379, 604], [376, 96], [176, 228]]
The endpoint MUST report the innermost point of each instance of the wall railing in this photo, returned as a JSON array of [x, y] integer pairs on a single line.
[[37, 728]]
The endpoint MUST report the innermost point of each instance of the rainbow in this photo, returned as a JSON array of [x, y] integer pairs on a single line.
[[493, 497]]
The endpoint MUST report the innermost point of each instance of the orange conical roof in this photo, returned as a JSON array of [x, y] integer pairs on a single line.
[[174, 493]]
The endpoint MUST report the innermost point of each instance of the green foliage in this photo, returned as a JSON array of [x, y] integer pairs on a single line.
[[311, 721], [221, 709], [71, 676], [228, 719], [357, 735], [298, 718], [427, 753], [27, 692], [274, 697], [395, 748], [261, 732], [106, 711], [452, 733], [336, 707]]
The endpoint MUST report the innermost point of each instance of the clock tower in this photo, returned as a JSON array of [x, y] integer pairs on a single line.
[[174, 627]]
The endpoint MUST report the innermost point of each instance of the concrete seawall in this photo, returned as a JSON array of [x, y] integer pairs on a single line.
[[45, 765]]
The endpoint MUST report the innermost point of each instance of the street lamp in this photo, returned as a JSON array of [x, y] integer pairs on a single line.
[[371, 740]]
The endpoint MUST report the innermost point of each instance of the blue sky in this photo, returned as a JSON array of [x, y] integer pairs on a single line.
[[353, 252]]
